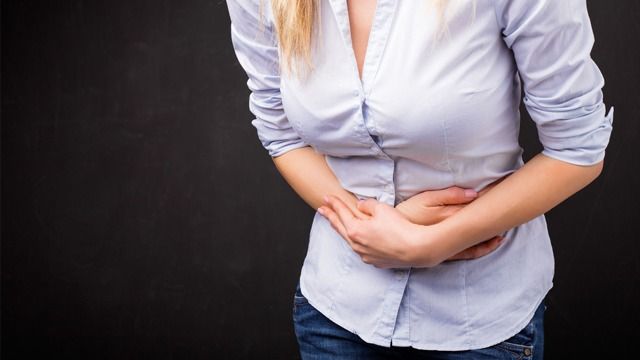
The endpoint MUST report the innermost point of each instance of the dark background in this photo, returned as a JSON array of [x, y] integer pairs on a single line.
[[141, 217]]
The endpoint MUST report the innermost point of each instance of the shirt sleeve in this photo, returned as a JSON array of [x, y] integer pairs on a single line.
[[551, 41], [255, 46]]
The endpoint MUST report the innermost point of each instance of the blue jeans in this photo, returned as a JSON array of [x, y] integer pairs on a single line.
[[319, 338]]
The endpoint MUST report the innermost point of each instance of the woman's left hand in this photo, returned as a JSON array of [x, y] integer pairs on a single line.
[[386, 239]]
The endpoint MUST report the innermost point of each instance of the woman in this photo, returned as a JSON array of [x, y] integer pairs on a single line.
[[412, 107]]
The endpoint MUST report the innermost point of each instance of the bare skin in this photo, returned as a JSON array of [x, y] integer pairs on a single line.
[[428, 207], [360, 18], [308, 174], [385, 237]]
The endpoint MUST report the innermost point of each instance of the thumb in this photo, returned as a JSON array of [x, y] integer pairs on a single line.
[[453, 195], [367, 206]]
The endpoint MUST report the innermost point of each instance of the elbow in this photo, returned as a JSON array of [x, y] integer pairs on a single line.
[[592, 172], [597, 169]]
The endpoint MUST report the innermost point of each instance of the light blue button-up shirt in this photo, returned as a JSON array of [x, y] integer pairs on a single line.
[[430, 112]]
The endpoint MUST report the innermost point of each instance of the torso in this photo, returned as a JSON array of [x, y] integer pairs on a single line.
[[396, 111]]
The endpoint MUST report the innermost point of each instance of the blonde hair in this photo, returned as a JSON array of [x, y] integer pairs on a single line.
[[294, 24]]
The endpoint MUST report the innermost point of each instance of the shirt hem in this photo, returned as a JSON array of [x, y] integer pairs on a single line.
[[381, 341], [329, 314]]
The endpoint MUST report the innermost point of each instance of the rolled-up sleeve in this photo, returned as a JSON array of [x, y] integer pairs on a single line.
[[551, 41], [255, 46]]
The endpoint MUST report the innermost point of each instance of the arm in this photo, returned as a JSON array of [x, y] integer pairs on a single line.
[[388, 239], [519, 198], [256, 49], [551, 43], [307, 172]]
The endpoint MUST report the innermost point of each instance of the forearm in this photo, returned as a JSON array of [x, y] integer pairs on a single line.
[[307, 172], [532, 190]]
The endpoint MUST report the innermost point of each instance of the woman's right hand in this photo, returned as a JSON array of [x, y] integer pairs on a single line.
[[432, 206]]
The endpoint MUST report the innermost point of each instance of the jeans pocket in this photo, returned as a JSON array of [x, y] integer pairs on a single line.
[[520, 346], [298, 298]]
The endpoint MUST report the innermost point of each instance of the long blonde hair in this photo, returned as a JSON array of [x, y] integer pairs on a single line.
[[294, 24]]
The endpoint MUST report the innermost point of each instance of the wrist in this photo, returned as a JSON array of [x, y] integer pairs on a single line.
[[427, 246]]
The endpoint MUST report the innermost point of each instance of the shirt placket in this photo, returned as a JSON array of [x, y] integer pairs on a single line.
[[364, 126], [367, 132]]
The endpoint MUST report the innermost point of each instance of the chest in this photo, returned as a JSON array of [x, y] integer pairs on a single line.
[[361, 14], [385, 85]]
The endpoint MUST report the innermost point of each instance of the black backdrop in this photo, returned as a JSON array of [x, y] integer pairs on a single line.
[[141, 218]]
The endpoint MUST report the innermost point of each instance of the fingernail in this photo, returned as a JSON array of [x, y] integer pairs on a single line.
[[470, 193], [321, 211], [325, 198]]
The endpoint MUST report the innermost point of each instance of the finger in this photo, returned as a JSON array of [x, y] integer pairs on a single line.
[[449, 196], [486, 247], [335, 222], [462, 255], [344, 213], [478, 250], [354, 209], [360, 215], [368, 206], [357, 213]]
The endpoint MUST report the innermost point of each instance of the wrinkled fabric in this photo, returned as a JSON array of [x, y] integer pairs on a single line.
[[429, 112]]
